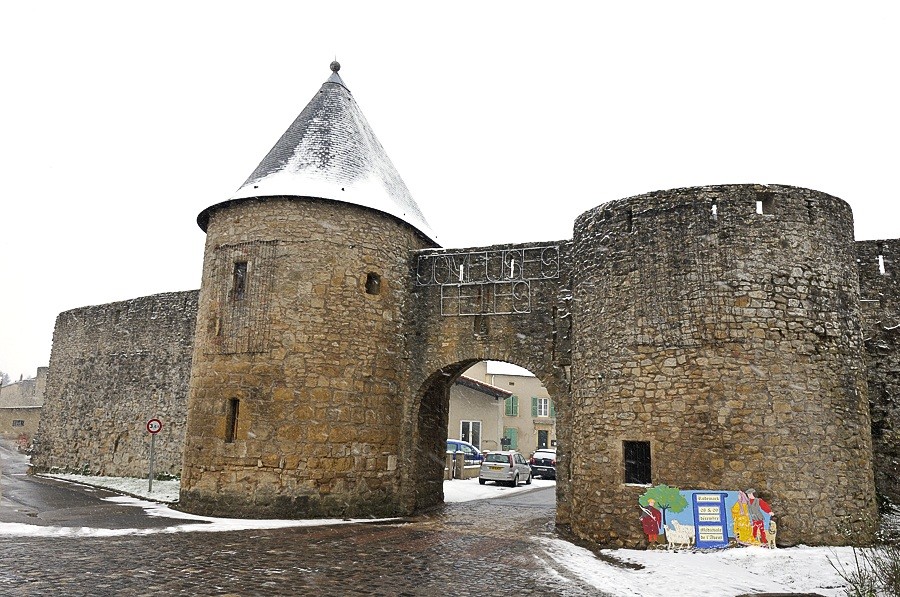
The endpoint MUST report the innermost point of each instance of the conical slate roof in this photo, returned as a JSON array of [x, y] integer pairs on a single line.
[[330, 152]]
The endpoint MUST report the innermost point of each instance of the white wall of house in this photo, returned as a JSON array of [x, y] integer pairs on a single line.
[[528, 417]]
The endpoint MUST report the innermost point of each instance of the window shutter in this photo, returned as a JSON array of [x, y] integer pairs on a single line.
[[534, 406], [552, 409], [512, 406]]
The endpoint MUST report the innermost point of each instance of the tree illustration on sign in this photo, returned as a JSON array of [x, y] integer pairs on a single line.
[[666, 498]]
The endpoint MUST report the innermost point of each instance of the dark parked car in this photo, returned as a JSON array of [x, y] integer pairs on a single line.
[[543, 463]]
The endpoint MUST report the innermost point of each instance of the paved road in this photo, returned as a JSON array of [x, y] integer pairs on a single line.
[[484, 547]]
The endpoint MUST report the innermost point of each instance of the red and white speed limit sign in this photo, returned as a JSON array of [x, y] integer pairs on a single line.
[[154, 426]]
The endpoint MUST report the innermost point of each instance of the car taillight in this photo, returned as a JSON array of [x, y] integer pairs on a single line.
[[511, 461], [553, 462]]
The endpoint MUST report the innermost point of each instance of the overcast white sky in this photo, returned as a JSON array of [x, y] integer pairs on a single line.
[[121, 121]]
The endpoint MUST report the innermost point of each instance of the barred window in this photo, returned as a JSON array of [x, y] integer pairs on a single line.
[[637, 462]]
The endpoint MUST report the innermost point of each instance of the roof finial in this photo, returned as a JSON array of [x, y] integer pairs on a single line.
[[335, 66]]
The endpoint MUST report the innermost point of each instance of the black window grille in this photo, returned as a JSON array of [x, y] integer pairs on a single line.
[[637, 462]]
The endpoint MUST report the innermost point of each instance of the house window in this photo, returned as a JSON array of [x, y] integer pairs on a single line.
[[511, 434], [18, 423], [239, 281], [637, 462], [542, 407], [512, 406], [231, 420], [470, 431]]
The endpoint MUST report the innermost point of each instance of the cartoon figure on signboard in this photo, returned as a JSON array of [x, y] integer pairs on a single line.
[[664, 498], [756, 507], [743, 532], [651, 521], [749, 516]]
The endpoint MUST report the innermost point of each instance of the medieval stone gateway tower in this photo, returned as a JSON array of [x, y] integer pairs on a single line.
[[718, 335]]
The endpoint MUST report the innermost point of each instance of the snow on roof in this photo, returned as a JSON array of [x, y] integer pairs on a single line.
[[502, 368], [330, 152]]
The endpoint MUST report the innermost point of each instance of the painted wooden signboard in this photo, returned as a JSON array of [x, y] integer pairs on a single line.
[[711, 518], [715, 519]]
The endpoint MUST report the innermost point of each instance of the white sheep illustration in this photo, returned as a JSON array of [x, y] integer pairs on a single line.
[[680, 535]]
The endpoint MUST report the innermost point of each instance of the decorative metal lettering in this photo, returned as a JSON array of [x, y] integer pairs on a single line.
[[489, 282]]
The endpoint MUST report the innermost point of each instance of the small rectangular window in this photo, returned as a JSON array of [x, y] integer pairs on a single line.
[[239, 283], [540, 407], [231, 420], [637, 462], [765, 204], [373, 283]]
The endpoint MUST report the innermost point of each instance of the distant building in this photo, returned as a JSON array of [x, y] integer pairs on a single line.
[[528, 415], [20, 408], [476, 413]]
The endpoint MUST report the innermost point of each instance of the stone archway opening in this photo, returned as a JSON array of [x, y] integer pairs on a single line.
[[493, 405]]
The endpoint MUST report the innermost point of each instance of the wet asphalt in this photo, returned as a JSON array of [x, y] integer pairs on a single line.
[[483, 547]]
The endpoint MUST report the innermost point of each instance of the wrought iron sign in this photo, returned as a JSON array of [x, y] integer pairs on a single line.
[[490, 282]]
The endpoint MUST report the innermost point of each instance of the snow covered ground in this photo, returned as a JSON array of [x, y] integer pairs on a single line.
[[658, 573]]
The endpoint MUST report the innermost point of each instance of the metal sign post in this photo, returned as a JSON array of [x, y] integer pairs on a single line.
[[154, 426]]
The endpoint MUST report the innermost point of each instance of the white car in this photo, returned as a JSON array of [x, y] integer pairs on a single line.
[[508, 467]]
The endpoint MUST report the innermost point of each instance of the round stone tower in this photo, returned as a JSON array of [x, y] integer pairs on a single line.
[[717, 345], [294, 407]]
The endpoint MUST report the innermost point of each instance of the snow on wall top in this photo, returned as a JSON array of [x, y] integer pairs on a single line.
[[330, 152]]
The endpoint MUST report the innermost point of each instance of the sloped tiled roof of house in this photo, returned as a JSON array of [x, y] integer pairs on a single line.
[[330, 152], [482, 387]]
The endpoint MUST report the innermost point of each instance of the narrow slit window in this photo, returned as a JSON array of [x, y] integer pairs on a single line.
[[373, 283], [480, 326], [715, 211], [629, 221], [637, 462], [239, 281], [231, 420], [881, 264]]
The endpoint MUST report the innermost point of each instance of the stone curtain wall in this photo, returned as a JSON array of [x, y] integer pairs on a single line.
[[730, 341], [112, 368], [879, 280]]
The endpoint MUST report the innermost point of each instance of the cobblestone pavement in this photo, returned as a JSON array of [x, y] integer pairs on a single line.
[[484, 547]]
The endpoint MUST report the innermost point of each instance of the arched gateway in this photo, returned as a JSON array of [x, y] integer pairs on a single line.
[[330, 326]]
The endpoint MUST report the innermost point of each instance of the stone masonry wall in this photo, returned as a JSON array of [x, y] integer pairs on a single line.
[[112, 368], [879, 280], [730, 340], [297, 384], [491, 311]]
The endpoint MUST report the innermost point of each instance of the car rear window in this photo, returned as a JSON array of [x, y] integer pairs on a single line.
[[540, 454], [495, 457]]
